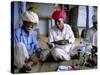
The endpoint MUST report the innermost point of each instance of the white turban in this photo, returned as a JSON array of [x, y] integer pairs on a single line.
[[30, 16], [94, 18]]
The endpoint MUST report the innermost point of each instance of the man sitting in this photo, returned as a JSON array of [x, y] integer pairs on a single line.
[[26, 47]]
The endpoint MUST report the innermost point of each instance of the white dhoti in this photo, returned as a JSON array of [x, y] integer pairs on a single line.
[[61, 52], [20, 54], [84, 49]]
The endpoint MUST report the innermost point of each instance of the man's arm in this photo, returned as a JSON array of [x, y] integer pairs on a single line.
[[71, 38], [17, 36], [51, 40], [61, 42]]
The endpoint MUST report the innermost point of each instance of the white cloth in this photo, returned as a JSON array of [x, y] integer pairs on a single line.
[[66, 34], [90, 34], [95, 39], [20, 54], [83, 47], [60, 51], [31, 17]]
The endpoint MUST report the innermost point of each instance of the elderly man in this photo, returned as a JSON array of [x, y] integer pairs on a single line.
[[60, 38], [25, 42]]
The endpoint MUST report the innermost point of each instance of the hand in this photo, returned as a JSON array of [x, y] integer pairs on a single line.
[[39, 56], [62, 42], [49, 44], [66, 41]]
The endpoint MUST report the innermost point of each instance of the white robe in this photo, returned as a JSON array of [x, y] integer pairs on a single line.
[[59, 51]]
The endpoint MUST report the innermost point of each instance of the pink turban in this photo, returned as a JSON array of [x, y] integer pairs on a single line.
[[59, 14]]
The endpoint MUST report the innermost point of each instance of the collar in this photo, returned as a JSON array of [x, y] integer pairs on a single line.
[[24, 33]]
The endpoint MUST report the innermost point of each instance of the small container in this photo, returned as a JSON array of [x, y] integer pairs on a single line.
[[64, 68]]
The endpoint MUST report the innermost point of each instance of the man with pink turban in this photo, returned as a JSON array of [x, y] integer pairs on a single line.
[[60, 37]]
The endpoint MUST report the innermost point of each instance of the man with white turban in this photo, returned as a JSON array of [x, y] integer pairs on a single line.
[[60, 37], [25, 42]]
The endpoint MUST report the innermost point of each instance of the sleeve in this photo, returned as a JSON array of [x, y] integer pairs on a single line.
[[16, 37], [71, 35], [51, 39]]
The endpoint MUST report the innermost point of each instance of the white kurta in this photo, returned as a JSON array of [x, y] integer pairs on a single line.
[[61, 51], [90, 34]]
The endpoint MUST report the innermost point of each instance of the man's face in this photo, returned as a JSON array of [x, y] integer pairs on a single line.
[[59, 25], [28, 25], [57, 8]]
